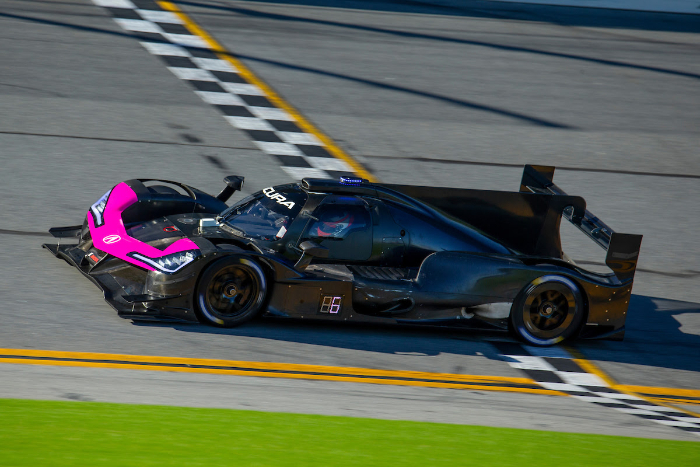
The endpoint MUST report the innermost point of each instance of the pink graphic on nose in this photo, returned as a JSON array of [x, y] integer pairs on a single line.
[[111, 237]]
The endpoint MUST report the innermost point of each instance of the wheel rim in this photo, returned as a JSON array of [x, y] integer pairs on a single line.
[[549, 310], [232, 291]]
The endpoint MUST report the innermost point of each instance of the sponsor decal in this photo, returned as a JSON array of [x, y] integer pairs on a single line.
[[109, 239], [331, 304], [617, 255], [170, 228], [281, 232], [272, 194]]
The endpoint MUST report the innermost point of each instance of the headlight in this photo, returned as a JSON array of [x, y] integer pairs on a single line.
[[98, 209], [171, 263]]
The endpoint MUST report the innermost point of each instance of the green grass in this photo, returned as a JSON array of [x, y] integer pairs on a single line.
[[47, 433]]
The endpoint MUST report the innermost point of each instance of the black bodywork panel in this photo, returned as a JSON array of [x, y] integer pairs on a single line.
[[408, 254]]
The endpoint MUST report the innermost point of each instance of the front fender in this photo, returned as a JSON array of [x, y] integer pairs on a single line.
[[153, 202]]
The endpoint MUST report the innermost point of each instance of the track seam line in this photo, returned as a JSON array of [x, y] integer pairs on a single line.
[[124, 140], [432, 160]]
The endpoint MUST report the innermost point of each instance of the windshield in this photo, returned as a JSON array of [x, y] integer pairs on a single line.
[[265, 215]]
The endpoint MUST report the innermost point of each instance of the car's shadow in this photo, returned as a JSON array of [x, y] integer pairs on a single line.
[[660, 333], [380, 338]]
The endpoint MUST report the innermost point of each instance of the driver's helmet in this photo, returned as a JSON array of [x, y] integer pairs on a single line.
[[334, 224]]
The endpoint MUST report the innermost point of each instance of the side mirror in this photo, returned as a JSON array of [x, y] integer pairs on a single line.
[[233, 183], [310, 250]]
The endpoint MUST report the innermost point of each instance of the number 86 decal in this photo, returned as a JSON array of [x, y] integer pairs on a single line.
[[331, 304]]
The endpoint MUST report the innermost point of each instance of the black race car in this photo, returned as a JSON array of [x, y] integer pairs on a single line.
[[350, 250]]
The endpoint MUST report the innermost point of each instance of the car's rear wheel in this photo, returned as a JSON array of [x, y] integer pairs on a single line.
[[549, 310], [231, 291]]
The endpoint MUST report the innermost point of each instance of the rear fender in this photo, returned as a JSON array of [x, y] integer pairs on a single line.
[[480, 278]]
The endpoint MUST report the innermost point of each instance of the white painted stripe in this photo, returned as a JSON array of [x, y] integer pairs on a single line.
[[299, 138], [192, 74], [328, 163], [600, 400], [676, 423], [160, 16], [115, 4], [686, 419], [527, 362], [219, 98], [249, 123], [139, 25], [271, 113], [282, 149], [214, 64], [187, 40], [581, 379], [159, 48], [304, 172], [657, 408], [245, 89], [562, 387]]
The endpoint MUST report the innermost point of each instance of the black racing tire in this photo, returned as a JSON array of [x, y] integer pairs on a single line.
[[549, 310], [230, 292]]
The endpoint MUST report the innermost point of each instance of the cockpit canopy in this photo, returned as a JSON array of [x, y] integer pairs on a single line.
[[266, 215]]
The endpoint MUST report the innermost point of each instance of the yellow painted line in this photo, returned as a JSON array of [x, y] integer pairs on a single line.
[[592, 368], [346, 379], [275, 98], [671, 401], [666, 395], [264, 366], [662, 391], [661, 396], [283, 370]]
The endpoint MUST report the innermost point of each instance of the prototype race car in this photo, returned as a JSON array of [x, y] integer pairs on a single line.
[[351, 250]]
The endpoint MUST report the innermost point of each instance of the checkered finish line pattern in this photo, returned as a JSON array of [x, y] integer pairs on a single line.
[[217, 82], [554, 368]]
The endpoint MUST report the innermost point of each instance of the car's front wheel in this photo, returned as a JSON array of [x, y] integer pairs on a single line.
[[549, 310], [231, 291]]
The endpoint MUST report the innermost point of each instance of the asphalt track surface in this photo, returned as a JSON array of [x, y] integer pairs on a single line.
[[454, 96], [667, 6]]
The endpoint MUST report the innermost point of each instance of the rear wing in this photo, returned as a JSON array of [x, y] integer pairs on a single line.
[[623, 249]]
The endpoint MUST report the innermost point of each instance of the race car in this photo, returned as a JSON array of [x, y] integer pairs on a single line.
[[350, 250]]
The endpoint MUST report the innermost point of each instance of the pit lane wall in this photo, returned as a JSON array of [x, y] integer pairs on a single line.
[[667, 6]]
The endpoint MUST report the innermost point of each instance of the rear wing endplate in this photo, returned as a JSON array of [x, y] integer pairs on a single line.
[[623, 249]]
